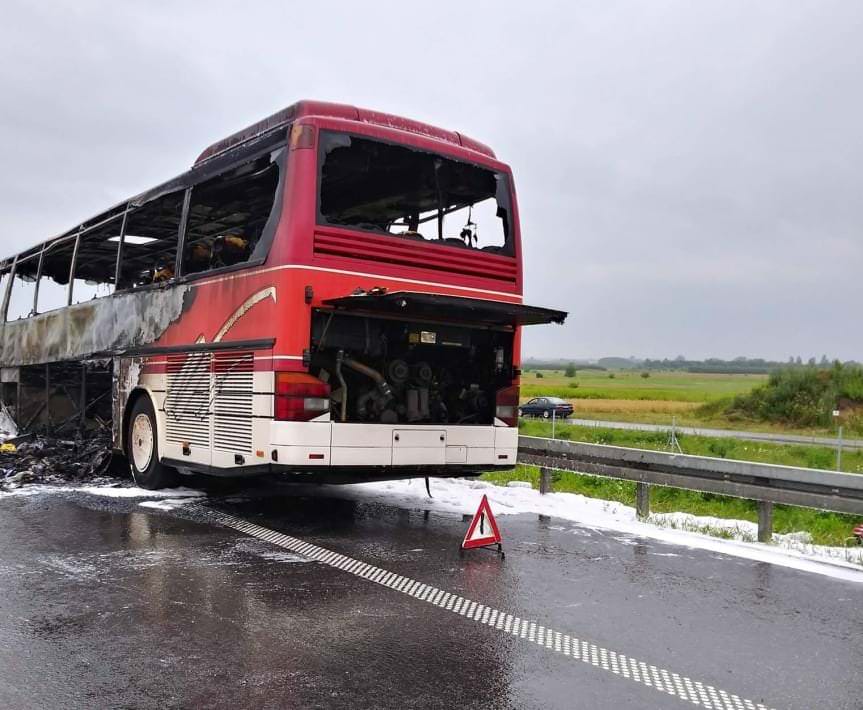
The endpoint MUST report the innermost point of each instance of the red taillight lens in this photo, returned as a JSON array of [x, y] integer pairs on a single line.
[[506, 405], [300, 397]]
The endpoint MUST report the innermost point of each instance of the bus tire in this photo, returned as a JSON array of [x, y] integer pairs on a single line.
[[142, 448]]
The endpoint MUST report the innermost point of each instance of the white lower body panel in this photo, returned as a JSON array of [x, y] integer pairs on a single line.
[[325, 443]]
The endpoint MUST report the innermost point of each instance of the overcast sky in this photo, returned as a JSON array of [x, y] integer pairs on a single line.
[[690, 174]]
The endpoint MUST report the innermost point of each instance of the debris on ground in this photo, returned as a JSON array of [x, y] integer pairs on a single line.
[[42, 459], [8, 429]]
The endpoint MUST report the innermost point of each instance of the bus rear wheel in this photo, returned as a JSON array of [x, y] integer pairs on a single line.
[[143, 448]]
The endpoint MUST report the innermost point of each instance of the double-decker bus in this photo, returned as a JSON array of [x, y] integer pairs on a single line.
[[331, 292]]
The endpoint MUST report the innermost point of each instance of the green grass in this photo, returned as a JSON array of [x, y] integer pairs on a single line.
[[825, 528]]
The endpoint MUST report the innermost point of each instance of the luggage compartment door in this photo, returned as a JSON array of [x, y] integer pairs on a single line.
[[419, 447]]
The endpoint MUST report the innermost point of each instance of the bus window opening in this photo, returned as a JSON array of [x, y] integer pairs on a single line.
[[150, 241], [228, 216], [23, 291], [409, 193]]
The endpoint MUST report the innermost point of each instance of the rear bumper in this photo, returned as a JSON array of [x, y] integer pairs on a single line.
[[343, 445], [337, 474]]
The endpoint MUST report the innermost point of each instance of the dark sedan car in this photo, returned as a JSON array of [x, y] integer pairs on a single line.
[[545, 407]]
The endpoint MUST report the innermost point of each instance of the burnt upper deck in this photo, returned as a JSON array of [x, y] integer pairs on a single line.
[[306, 108]]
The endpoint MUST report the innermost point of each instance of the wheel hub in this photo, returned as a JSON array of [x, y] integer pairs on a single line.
[[142, 442]]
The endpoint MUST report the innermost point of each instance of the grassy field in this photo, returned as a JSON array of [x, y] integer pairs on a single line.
[[629, 397]]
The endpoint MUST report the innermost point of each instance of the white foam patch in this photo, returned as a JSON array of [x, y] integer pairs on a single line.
[[31, 490], [463, 496], [165, 503], [107, 491], [135, 492]]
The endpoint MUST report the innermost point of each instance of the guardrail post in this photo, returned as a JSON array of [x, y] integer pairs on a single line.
[[544, 481], [642, 500], [765, 521]]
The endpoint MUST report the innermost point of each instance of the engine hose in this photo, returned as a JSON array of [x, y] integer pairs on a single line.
[[344, 403], [371, 373]]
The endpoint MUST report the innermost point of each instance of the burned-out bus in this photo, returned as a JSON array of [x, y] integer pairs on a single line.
[[332, 292]]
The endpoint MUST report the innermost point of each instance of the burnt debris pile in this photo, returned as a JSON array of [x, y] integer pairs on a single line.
[[42, 459]]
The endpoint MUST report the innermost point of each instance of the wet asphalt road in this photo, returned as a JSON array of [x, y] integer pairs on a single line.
[[107, 604]]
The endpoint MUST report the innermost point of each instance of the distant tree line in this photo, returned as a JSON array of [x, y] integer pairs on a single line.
[[536, 364], [741, 365]]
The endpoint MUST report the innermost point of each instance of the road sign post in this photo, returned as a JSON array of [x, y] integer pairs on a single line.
[[839, 451]]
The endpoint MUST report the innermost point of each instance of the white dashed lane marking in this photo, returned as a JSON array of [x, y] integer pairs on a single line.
[[660, 679]]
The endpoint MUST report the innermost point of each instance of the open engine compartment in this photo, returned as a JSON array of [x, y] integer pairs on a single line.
[[389, 371]]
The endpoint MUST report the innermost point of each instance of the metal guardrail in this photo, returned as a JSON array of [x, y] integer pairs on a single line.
[[765, 483]]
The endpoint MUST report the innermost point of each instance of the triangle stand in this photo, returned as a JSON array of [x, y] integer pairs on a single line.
[[483, 532]]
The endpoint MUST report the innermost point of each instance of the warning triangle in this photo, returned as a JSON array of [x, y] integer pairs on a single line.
[[483, 528]]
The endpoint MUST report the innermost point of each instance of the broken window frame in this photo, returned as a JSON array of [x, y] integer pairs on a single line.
[[504, 191], [134, 206], [46, 248], [7, 287], [120, 242], [278, 158], [86, 231], [34, 253]]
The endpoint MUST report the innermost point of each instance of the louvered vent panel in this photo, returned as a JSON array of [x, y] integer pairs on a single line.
[[234, 386], [418, 253], [187, 404]]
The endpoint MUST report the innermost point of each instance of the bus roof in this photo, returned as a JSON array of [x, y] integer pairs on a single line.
[[305, 108]]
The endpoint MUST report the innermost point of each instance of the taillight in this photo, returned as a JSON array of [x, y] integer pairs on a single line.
[[506, 405], [300, 397]]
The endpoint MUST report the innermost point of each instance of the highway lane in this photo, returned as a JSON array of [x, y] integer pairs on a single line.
[[108, 603]]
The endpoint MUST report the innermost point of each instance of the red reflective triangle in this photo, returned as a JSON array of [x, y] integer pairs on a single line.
[[483, 528]]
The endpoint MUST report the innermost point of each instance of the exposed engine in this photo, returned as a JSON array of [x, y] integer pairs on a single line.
[[392, 371]]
